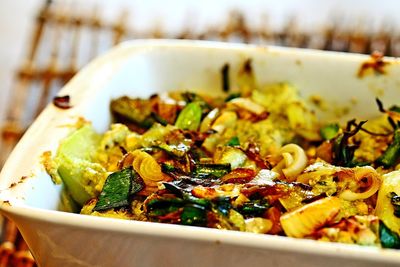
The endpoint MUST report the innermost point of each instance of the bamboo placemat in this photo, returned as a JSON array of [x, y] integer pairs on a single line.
[[42, 74]]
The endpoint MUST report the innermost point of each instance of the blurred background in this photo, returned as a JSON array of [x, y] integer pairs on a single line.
[[44, 43]]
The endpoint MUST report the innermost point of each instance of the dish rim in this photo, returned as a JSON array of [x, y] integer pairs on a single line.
[[250, 240]]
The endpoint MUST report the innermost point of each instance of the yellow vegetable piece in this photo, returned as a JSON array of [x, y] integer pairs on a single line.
[[305, 220], [247, 104], [208, 120], [147, 167], [258, 225], [360, 173], [132, 141], [293, 163], [237, 219], [226, 120], [384, 208]]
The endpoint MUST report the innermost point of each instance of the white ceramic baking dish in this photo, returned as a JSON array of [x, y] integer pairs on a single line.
[[140, 68]]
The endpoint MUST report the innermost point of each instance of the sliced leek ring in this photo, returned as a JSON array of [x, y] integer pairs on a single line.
[[294, 160], [147, 167], [248, 104], [360, 173]]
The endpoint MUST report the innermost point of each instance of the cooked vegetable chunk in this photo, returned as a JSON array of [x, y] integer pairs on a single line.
[[74, 156], [116, 190], [392, 153], [190, 117], [385, 210], [307, 219], [329, 131], [257, 160], [389, 238]]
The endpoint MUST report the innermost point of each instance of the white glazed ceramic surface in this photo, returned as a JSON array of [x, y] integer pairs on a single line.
[[140, 68]]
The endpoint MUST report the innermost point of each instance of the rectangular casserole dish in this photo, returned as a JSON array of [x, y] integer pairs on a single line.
[[141, 68]]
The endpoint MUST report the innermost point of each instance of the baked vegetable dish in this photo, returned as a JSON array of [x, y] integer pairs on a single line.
[[253, 158]]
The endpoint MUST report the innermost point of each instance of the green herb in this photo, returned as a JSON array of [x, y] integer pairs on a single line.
[[381, 108], [254, 208], [146, 123], [159, 119], [162, 206], [174, 189], [179, 150], [392, 153], [137, 183], [343, 151], [116, 190], [190, 117], [395, 108], [217, 170], [356, 163], [198, 201], [193, 214], [389, 239], [168, 168], [223, 205], [234, 141], [329, 131], [190, 97]]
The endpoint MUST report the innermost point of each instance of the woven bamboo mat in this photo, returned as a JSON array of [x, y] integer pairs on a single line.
[[43, 73]]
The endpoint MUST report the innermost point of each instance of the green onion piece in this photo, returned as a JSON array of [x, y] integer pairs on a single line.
[[343, 151], [234, 141], [198, 201], [163, 206], [190, 97], [193, 214], [329, 131], [190, 117], [174, 189], [159, 119], [223, 205], [167, 168], [116, 190], [389, 239], [392, 153], [137, 183], [254, 208], [146, 123], [217, 170], [395, 108]]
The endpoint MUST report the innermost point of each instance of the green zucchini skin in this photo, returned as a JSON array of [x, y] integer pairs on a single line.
[[117, 189]]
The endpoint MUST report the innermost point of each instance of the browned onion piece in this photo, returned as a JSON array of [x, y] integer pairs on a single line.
[[62, 102]]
